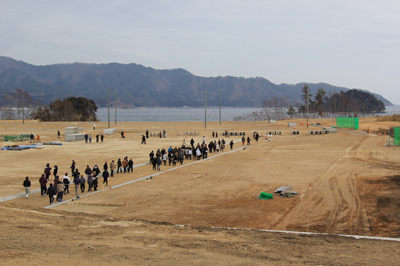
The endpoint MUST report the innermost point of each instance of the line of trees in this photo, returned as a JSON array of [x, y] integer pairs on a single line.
[[69, 109], [11, 105], [350, 103], [19, 102]]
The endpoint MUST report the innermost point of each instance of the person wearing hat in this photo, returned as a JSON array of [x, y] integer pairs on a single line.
[[27, 186]]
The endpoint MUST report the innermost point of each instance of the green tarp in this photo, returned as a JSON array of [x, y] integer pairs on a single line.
[[17, 137], [264, 195]]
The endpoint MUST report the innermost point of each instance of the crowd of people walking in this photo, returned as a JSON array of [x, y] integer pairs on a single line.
[[60, 186], [187, 151]]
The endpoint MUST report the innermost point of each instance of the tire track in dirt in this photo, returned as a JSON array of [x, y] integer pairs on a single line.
[[346, 215], [332, 204]]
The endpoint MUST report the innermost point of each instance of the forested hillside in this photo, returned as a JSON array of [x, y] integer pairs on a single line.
[[138, 86]]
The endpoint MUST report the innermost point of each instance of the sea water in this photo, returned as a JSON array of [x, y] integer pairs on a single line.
[[175, 114]]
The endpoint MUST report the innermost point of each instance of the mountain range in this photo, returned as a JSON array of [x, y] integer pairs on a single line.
[[140, 86]]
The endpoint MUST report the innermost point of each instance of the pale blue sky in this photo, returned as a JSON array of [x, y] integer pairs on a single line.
[[354, 44]]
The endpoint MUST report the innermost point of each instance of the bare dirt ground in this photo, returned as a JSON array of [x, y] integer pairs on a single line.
[[348, 183]]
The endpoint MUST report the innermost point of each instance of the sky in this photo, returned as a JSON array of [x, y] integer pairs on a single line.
[[354, 44]]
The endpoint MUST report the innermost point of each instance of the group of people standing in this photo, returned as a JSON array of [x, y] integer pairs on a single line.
[[162, 134], [88, 138]]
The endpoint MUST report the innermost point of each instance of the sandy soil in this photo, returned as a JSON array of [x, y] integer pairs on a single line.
[[348, 183]]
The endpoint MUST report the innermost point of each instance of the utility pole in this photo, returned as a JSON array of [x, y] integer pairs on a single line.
[[108, 106], [307, 105], [23, 109], [219, 107], [205, 106], [115, 106]]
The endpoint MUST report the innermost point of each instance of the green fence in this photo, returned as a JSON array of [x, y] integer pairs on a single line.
[[347, 122], [396, 136]]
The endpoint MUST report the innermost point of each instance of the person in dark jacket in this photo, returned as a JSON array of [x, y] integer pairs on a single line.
[[211, 146], [77, 181], [130, 165], [55, 171], [205, 151], [96, 169], [105, 177], [88, 171], [181, 155], [119, 165], [95, 181], [170, 156], [112, 168], [90, 182], [51, 192], [158, 162], [73, 167], [77, 174], [151, 155], [66, 182], [47, 171], [83, 181], [43, 187], [27, 186], [192, 142]]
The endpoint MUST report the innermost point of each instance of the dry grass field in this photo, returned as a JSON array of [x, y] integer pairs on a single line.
[[208, 212]]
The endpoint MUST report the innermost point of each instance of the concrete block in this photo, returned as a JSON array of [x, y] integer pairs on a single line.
[[71, 130], [74, 137], [109, 131], [291, 124]]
